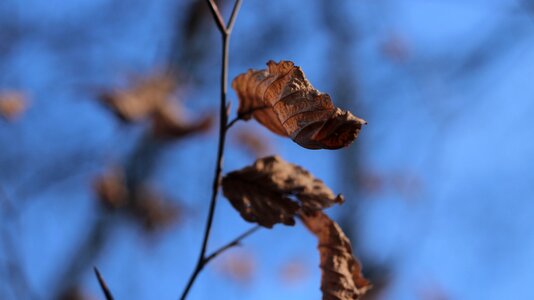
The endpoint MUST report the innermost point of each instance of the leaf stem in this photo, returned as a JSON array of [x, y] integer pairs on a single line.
[[232, 122], [223, 127]]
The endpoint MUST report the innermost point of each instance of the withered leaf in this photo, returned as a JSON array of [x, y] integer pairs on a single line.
[[341, 272], [272, 191], [12, 104], [141, 100], [153, 210], [144, 203], [110, 188], [281, 98], [168, 122]]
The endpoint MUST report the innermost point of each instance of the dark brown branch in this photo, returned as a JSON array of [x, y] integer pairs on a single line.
[[216, 253], [232, 122], [223, 118], [243, 114], [217, 16], [103, 285], [233, 16], [231, 244]]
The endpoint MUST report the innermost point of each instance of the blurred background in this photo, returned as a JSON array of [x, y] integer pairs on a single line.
[[439, 185]]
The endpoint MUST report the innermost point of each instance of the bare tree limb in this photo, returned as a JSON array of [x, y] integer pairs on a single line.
[[223, 127]]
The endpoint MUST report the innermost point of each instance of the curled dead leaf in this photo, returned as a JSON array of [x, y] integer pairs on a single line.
[[12, 105], [341, 272], [281, 99], [272, 191], [141, 100]]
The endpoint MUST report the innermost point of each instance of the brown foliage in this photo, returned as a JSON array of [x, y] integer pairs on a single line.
[[141, 100], [281, 98], [153, 211], [264, 193], [168, 123], [110, 188], [147, 206], [341, 272], [12, 105], [151, 98]]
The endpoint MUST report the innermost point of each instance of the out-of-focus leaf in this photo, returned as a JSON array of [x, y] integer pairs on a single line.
[[76, 293], [281, 98], [253, 142], [110, 188], [145, 204], [341, 272], [140, 101], [153, 211], [272, 191], [237, 265], [294, 271], [12, 105], [169, 123], [396, 48]]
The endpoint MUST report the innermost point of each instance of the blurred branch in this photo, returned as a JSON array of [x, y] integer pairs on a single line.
[[16, 278]]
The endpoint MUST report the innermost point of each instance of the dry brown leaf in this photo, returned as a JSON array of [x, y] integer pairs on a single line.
[[154, 211], [168, 122], [110, 188], [281, 98], [145, 204], [341, 272], [141, 100], [12, 105], [267, 192]]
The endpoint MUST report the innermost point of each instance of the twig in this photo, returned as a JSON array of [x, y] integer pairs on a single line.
[[225, 33], [231, 244], [103, 285], [232, 122], [231, 22], [242, 115], [217, 16]]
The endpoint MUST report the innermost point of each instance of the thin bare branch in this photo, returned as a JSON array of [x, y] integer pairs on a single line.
[[103, 285], [231, 244], [232, 122], [233, 16], [217, 16], [241, 115], [223, 120]]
